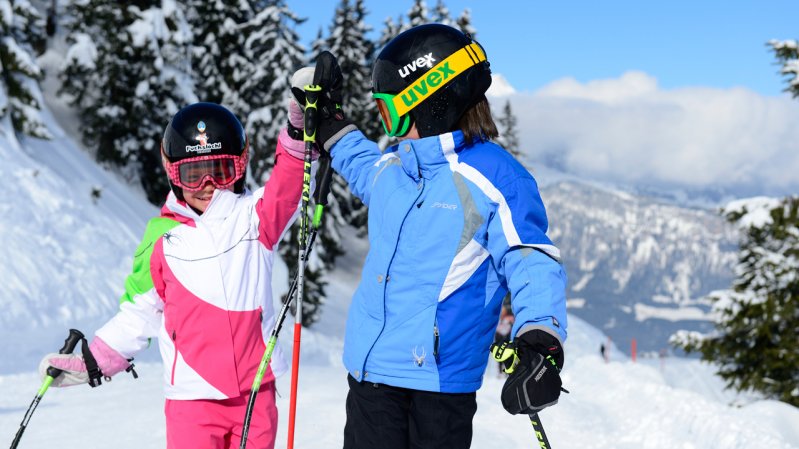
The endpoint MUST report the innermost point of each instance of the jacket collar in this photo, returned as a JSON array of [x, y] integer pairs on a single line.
[[422, 157], [221, 206]]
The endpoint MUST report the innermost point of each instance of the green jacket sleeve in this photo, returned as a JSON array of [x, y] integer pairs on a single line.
[[140, 280]]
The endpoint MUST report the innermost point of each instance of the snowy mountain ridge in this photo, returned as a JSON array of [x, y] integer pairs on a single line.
[[638, 267]]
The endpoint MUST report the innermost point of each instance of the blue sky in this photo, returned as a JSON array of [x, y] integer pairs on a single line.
[[669, 94], [680, 43]]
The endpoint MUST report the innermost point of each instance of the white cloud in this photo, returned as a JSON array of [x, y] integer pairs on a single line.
[[629, 129], [500, 87]]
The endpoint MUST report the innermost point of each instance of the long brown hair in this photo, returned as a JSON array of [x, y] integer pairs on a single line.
[[477, 122]]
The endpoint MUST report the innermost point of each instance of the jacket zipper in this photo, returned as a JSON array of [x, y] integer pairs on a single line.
[[175, 359], [436, 339]]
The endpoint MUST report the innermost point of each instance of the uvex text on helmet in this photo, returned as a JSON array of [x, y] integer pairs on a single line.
[[429, 75]]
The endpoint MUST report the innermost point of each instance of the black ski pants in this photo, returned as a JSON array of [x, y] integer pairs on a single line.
[[385, 417]]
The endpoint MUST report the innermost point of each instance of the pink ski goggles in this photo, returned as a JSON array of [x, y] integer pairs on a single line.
[[220, 170]]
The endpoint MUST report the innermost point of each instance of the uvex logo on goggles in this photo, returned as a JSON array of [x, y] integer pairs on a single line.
[[393, 107]]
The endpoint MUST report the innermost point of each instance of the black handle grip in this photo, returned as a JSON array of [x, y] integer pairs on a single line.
[[323, 176], [75, 336], [311, 96], [311, 122], [311, 110]]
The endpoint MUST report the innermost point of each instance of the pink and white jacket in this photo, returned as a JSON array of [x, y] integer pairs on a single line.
[[202, 285]]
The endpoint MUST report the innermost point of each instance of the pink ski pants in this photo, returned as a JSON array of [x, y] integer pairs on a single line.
[[217, 424]]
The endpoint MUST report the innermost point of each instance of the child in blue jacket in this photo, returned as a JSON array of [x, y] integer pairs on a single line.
[[455, 223]]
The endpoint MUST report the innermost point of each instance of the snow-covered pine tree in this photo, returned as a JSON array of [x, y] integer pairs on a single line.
[[441, 14], [464, 23], [125, 73], [756, 341], [94, 76], [273, 51], [21, 30], [508, 137], [390, 30], [355, 54], [243, 55], [162, 36], [419, 14], [787, 53], [217, 49]]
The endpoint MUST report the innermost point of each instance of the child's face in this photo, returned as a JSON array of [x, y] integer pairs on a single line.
[[199, 199]]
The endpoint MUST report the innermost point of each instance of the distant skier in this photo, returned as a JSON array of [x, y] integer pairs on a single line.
[[455, 222], [201, 283]]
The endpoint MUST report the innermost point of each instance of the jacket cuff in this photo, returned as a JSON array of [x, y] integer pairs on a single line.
[[109, 360]]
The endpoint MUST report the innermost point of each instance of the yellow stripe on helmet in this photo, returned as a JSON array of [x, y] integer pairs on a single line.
[[437, 77]]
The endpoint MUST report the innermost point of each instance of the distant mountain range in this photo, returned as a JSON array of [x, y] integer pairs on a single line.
[[638, 266]]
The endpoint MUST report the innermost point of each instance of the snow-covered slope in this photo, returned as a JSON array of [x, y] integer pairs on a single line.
[[67, 234], [611, 405]]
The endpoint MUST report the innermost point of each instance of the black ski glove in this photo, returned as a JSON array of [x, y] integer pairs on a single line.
[[332, 124], [535, 382]]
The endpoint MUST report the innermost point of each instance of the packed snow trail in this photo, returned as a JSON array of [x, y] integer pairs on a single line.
[[616, 405]]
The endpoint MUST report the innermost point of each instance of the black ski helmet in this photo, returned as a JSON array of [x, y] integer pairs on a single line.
[[204, 129], [435, 73]]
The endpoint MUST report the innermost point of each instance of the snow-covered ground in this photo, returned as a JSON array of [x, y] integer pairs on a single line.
[[615, 405], [651, 403]]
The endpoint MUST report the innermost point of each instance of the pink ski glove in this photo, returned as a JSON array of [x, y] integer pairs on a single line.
[[294, 147], [74, 369]]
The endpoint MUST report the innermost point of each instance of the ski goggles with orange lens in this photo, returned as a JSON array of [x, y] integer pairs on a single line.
[[220, 170], [394, 108]]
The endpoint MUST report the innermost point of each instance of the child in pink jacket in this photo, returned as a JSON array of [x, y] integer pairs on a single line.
[[201, 282]]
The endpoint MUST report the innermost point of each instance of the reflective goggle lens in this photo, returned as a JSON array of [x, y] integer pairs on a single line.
[[393, 124], [385, 114], [222, 172]]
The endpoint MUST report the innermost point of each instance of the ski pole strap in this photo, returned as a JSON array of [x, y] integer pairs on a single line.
[[505, 353], [130, 369], [95, 375]]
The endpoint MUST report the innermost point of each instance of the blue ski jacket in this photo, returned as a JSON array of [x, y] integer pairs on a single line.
[[452, 228]]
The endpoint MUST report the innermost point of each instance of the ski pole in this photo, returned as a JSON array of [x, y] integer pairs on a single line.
[[311, 97], [324, 177], [69, 345], [538, 428]]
